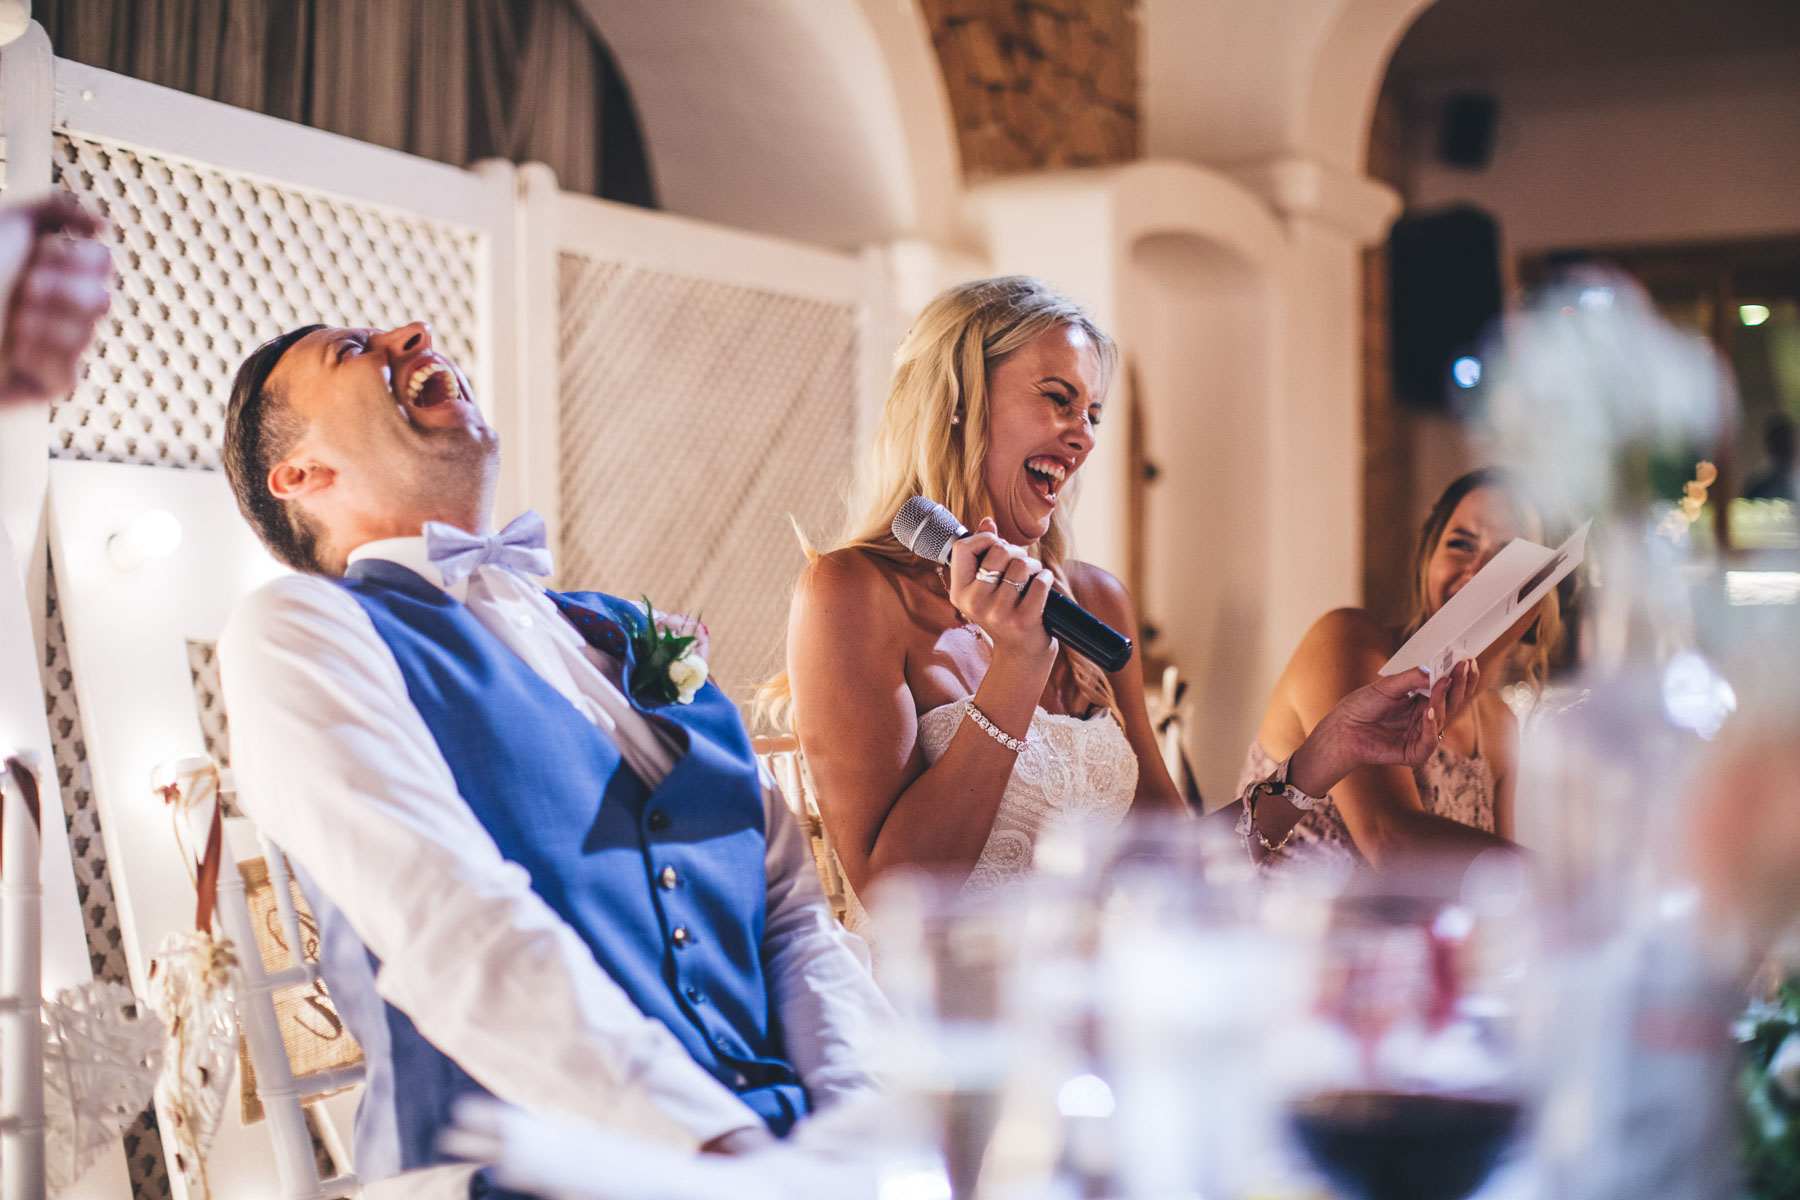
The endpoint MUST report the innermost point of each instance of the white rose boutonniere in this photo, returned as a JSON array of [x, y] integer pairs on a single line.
[[687, 673], [668, 658]]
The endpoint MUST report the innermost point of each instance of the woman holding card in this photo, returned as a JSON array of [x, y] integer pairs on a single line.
[[1458, 802]]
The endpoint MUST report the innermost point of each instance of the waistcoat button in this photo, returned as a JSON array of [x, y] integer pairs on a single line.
[[668, 878], [694, 996], [680, 936], [658, 820]]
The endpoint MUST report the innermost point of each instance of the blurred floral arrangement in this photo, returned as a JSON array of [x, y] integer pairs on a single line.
[[1769, 1086], [1598, 399]]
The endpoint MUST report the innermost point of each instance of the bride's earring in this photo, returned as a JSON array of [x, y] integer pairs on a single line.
[[956, 420]]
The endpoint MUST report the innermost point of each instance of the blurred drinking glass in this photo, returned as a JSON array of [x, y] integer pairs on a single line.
[[1405, 1081], [948, 962], [1191, 986]]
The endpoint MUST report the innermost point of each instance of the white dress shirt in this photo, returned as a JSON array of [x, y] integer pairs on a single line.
[[338, 768]]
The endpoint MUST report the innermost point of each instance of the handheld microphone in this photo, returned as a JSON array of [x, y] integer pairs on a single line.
[[929, 529]]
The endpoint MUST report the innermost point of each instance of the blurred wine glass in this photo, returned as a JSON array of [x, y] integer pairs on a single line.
[[1405, 1081], [948, 961]]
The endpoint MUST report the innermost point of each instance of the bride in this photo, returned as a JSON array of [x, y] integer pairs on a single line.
[[941, 724]]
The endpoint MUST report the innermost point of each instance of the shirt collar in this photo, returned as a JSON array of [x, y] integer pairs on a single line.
[[409, 552]]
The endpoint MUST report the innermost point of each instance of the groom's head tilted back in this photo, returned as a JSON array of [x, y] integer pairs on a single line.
[[338, 437]]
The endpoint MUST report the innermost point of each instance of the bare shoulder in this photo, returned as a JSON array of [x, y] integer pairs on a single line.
[[846, 576], [1101, 593], [847, 588], [1348, 630], [1342, 651]]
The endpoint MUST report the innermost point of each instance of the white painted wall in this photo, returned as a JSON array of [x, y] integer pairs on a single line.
[[1676, 152], [1202, 320]]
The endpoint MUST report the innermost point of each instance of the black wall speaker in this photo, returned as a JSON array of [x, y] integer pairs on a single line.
[[1443, 293], [1466, 130]]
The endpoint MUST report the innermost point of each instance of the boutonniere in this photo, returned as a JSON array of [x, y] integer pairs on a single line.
[[668, 657]]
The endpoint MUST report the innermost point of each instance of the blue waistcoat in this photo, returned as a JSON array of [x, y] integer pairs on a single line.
[[666, 887]]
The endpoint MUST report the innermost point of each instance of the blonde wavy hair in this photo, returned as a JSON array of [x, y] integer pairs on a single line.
[[932, 439], [1535, 654]]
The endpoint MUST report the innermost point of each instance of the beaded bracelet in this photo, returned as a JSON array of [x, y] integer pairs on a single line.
[[994, 731], [1247, 828]]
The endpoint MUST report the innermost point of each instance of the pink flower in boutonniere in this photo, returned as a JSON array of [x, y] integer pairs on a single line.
[[669, 657]]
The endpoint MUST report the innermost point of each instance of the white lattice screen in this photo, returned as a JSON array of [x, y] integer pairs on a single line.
[[696, 418], [211, 264]]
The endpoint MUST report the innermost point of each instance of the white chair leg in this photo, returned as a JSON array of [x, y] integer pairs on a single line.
[[275, 1085], [21, 987]]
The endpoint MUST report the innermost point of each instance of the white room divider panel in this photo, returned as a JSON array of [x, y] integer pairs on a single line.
[[128, 627], [215, 258], [228, 227], [25, 111], [708, 389]]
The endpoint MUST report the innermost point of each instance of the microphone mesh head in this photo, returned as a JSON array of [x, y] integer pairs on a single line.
[[927, 528]]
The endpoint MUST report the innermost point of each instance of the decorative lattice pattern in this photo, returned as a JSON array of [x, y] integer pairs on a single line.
[[696, 419], [210, 265], [93, 885], [209, 701]]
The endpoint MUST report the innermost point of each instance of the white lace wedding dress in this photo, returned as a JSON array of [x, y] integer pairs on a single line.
[[1074, 770]]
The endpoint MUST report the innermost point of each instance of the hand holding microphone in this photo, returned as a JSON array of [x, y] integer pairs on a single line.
[[929, 530], [1002, 589]]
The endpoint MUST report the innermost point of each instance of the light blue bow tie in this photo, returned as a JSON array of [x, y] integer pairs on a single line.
[[519, 547]]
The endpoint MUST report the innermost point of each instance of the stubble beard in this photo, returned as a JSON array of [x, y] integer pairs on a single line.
[[456, 474]]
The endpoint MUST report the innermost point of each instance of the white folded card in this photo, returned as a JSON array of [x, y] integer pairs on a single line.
[[1488, 605]]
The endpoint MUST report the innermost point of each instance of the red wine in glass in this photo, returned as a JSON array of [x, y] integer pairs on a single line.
[[1404, 1146]]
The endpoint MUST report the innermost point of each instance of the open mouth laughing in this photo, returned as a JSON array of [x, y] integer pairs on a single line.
[[428, 385], [1046, 472]]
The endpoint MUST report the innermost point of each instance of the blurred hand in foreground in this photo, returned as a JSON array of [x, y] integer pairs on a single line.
[[55, 274]]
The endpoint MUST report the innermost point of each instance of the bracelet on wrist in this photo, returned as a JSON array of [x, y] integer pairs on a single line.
[[994, 731], [1278, 785], [1247, 829], [1275, 785]]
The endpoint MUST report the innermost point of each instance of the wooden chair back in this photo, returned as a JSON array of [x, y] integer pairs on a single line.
[[781, 755]]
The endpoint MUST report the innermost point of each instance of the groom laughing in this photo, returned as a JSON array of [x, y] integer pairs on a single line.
[[530, 879]]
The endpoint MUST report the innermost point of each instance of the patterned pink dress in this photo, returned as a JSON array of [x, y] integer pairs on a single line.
[[1451, 785]]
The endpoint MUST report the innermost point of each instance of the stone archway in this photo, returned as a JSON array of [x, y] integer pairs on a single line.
[[1233, 85], [824, 121]]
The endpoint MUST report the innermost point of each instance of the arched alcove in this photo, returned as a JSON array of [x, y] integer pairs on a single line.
[[820, 120], [1234, 85], [1202, 319]]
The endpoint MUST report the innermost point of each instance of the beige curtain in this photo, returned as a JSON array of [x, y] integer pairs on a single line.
[[453, 80], [394, 73], [539, 95]]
